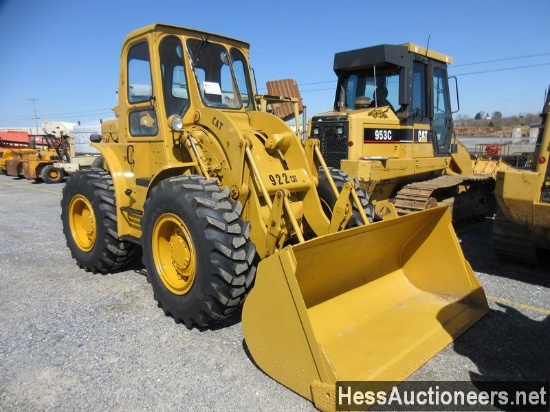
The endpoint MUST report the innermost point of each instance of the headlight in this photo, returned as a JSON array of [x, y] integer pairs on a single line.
[[340, 130], [175, 122], [316, 131]]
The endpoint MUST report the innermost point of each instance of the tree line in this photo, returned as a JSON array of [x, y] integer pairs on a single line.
[[496, 119]]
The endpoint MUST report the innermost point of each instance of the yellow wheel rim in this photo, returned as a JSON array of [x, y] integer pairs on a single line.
[[54, 174], [174, 254], [83, 223]]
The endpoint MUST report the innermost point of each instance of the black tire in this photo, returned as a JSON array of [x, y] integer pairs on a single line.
[[20, 174], [98, 162], [328, 199], [52, 174], [196, 250], [88, 214]]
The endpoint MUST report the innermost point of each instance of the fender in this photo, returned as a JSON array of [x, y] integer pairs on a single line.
[[121, 179]]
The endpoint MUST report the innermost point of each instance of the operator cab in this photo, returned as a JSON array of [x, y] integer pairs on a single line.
[[414, 78], [219, 70]]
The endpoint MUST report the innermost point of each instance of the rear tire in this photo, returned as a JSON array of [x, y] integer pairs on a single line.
[[88, 213], [328, 199], [51, 174], [196, 250]]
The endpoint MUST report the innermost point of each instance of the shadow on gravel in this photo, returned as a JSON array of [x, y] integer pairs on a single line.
[[251, 359], [507, 346], [478, 250]]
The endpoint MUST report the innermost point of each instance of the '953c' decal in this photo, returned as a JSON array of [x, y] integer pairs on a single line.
[[396, 135], [382, 134]]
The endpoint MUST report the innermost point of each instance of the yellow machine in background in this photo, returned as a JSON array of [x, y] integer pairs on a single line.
[[207, 185], [14, 154], [391, 128], [521, 229], [38, 162]]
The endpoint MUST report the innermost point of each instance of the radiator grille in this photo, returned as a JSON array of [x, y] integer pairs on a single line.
[[333, 147]]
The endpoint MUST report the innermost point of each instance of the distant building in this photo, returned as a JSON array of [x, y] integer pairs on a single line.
[[533, 132], [516, 135]]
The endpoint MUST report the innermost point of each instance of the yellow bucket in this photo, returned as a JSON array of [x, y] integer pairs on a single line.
[[367, 304]]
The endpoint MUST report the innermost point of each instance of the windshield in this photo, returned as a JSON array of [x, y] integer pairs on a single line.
[[362, 89], [219, 85]]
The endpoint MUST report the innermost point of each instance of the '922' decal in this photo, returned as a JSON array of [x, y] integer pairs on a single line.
[[277, 179]]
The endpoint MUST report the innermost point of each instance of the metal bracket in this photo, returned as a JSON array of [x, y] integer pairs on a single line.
[[312, 151], [276, 227], [196, 156], [280, 216], [341, 212], [385, 209]]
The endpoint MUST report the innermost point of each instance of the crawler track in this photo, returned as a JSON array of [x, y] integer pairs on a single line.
[[469, 197]]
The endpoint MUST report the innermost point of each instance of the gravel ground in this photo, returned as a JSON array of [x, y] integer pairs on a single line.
[[71, 340]]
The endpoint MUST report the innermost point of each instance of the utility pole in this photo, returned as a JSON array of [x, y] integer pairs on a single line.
[[33, 100]]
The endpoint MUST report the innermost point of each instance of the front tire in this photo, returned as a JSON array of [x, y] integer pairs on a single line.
[[88, 213], [328, 199], [196, 250], [52, 174]]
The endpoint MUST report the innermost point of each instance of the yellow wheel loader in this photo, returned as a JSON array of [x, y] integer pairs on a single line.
[[207, 185], [391, 128], [521, 228]]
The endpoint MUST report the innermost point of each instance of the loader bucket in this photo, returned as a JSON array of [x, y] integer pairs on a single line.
[[366, 304]]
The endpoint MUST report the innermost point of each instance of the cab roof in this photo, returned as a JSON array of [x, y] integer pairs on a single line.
[[398, 55], [185, 31]]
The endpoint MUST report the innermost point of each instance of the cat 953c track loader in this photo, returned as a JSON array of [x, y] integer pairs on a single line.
[[391, 128], [521, 229], [207, 185]]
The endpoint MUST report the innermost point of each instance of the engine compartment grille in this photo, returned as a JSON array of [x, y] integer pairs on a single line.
[[334, 147]]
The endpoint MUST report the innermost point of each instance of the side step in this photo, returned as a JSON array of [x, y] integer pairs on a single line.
[[131, 211]]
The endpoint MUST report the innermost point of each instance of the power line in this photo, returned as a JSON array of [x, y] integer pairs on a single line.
[[501, 60], [98, 112], [460, 74], [83, 112], [33, 100], [503, 69], [102, 110], [333, 81]]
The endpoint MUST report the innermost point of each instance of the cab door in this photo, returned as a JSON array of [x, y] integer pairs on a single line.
[[442, 120]]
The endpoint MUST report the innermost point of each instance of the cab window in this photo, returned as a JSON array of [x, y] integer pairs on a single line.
[[174, 80], [143, 122], [371, 88], [240, 67], [213, 74], [140, 85], [440, 106], [419, 90]]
